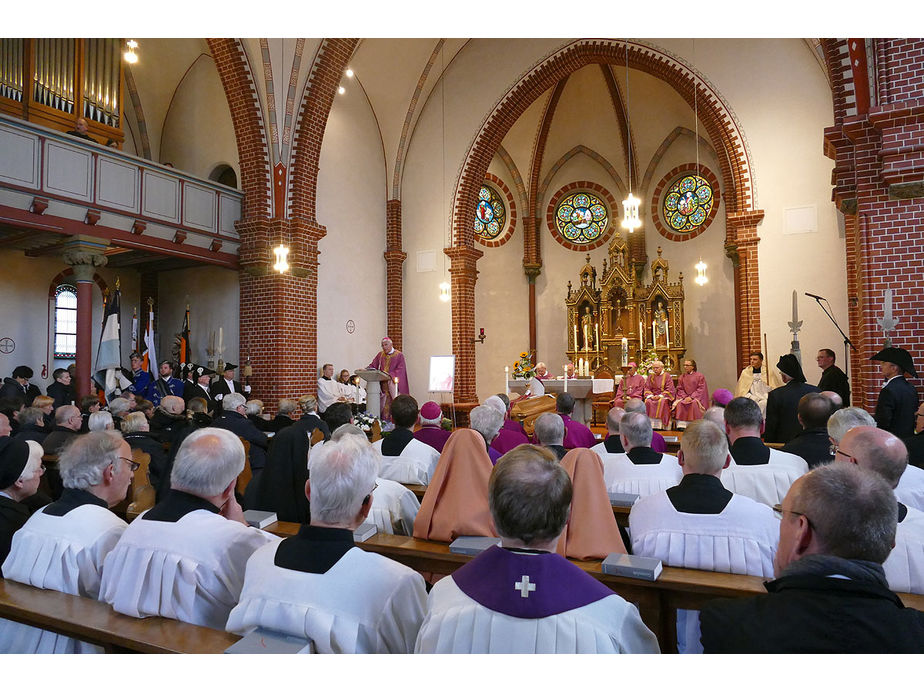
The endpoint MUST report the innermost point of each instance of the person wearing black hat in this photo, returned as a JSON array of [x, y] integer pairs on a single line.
[[783, 402], [898, 400], [20, 472], [202, 376], [19, 385], [226, 384]]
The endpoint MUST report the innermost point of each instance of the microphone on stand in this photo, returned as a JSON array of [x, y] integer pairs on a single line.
[[820, 298]]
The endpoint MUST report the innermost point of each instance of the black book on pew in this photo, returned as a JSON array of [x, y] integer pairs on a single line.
[[472, 546], [641, 567], [623, 500], [263, 641]]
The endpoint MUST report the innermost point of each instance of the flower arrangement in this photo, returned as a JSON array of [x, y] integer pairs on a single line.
[[523, 368], [365, 421], [644, 367]]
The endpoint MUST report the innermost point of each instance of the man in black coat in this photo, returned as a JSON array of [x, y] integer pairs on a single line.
[[812, 443], [838, 520], [226, 384], [60, 390], [783, 402], [200, 386], [915, 443], [19, 386], [235, 420], [832, 377], [898, 400]]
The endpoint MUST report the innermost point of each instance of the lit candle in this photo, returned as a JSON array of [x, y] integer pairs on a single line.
[[667, 334], [507, 380], [575, 337], [565, 369], [625, 351], [641, 336], [597, 327], [654, 334]]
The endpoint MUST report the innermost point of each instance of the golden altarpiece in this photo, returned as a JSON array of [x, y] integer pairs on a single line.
[[623, 320]]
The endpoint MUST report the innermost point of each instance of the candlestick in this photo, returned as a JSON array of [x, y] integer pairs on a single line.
[[507, 380]]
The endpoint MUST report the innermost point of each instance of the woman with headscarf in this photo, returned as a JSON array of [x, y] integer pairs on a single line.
[[591, 531]]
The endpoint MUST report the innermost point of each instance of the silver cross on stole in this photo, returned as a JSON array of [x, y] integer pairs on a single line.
[[525, 586]]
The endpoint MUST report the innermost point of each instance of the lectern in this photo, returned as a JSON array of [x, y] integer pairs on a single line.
[[373, 378]]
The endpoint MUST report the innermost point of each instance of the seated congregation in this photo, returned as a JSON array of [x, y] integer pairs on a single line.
[[819, 529]]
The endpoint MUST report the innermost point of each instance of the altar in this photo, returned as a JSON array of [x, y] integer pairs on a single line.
[[582, 389]]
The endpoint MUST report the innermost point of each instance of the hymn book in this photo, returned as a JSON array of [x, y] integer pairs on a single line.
[[363, 532], [623, 500], [259, 518], [472, 546], [641, 567], [263, 641]]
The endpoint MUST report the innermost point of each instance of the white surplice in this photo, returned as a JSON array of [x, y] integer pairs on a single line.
[[191, 570], [329, 391], [904, 568], [456, 623], [741, 539], [64, 554], [766, 483], [415, 464], [365, 603], [621, 475], [394, 508], [910, 489]]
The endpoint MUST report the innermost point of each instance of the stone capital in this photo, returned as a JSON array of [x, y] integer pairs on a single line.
[[84, 254]]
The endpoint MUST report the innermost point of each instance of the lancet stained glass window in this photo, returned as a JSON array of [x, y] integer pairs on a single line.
[[581, 217], [65, 322], [687, 203], [490, 214]]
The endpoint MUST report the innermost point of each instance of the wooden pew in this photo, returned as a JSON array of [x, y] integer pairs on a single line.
[[140, 492], [96, 622], [657, 601]]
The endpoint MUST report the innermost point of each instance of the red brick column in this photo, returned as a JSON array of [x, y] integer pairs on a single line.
[[741, 246], [394, 273], [463, 273]]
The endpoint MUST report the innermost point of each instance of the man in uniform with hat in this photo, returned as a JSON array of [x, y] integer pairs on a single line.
[[199, 387], [783, 402], [226, 384], [141, 379], [898, 400]]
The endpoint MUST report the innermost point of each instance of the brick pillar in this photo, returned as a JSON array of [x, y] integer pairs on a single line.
[[394, 274], [84, 254], [278, 312], [464, 274], [741, 246]]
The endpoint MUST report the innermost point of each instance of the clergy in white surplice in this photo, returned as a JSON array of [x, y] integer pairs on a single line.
[[756, 470], [404, 458], [185, 557], [62, 546], [318, 585], [700, 524], [639, 469], [882, 453], [522, 597]]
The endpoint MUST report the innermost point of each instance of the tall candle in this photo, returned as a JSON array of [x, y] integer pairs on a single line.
[[597, 326], [625, 351], [575, 338], [667, 334], [641, 336], [565, 369], [507, 380], [221, 344], [654, 334]]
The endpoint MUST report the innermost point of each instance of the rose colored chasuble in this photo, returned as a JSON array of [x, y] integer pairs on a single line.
[[691, 385], [659, 394], [395, 366], [630, 387]]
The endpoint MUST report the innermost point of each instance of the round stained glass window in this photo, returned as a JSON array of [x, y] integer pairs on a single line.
[[490, 214], [581, 218], [687, 203]]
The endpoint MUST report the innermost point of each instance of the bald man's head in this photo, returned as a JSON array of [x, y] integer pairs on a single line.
[[875, 450], [173, 405]]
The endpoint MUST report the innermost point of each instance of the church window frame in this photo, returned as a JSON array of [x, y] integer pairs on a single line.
[[597, 197], [502, 195], [665, 198], [65, 329]]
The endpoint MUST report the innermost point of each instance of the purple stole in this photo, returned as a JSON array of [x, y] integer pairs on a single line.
[[527, 585]]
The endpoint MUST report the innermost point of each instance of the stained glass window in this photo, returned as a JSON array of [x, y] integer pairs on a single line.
[[490, 214], [581, 218], [688, 203], [65, 322]]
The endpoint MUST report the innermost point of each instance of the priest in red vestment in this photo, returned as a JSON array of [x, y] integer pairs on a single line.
[[632, 386], [390, 360], [692, 395], [659, 395]]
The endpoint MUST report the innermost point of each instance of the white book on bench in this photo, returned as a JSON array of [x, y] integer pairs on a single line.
[[264, 641], [472, 546], [641, 567]]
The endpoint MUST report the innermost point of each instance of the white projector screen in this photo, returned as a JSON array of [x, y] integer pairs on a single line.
[[442, 373]]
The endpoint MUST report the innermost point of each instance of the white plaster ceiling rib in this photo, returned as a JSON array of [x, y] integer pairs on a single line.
[[814, 45], [410, 118], [621, 111], [591, 154], [515, 175]]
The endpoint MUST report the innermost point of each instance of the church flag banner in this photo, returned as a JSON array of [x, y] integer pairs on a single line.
[[108, 371], [184, 340], [150, 357], [134, 329]]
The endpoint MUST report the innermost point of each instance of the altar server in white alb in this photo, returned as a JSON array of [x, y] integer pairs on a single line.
[[63, 545], [756, 470], [404, 458], [185, 557], [318, 585], [639, 469], [701, 524], [882, 453], [522, 597]]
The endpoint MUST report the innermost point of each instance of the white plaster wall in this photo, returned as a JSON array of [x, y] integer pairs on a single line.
[[198, 133], [24, 312], [351, 205], [213, 295]]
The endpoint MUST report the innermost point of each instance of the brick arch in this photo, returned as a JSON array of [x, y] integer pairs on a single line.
[[332, 60], [249, 130], [721, 125], [67, 276]]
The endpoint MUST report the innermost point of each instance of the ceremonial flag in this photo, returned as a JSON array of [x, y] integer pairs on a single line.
[[184, 351], [134, 329], [149, 356], [108, 371]]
